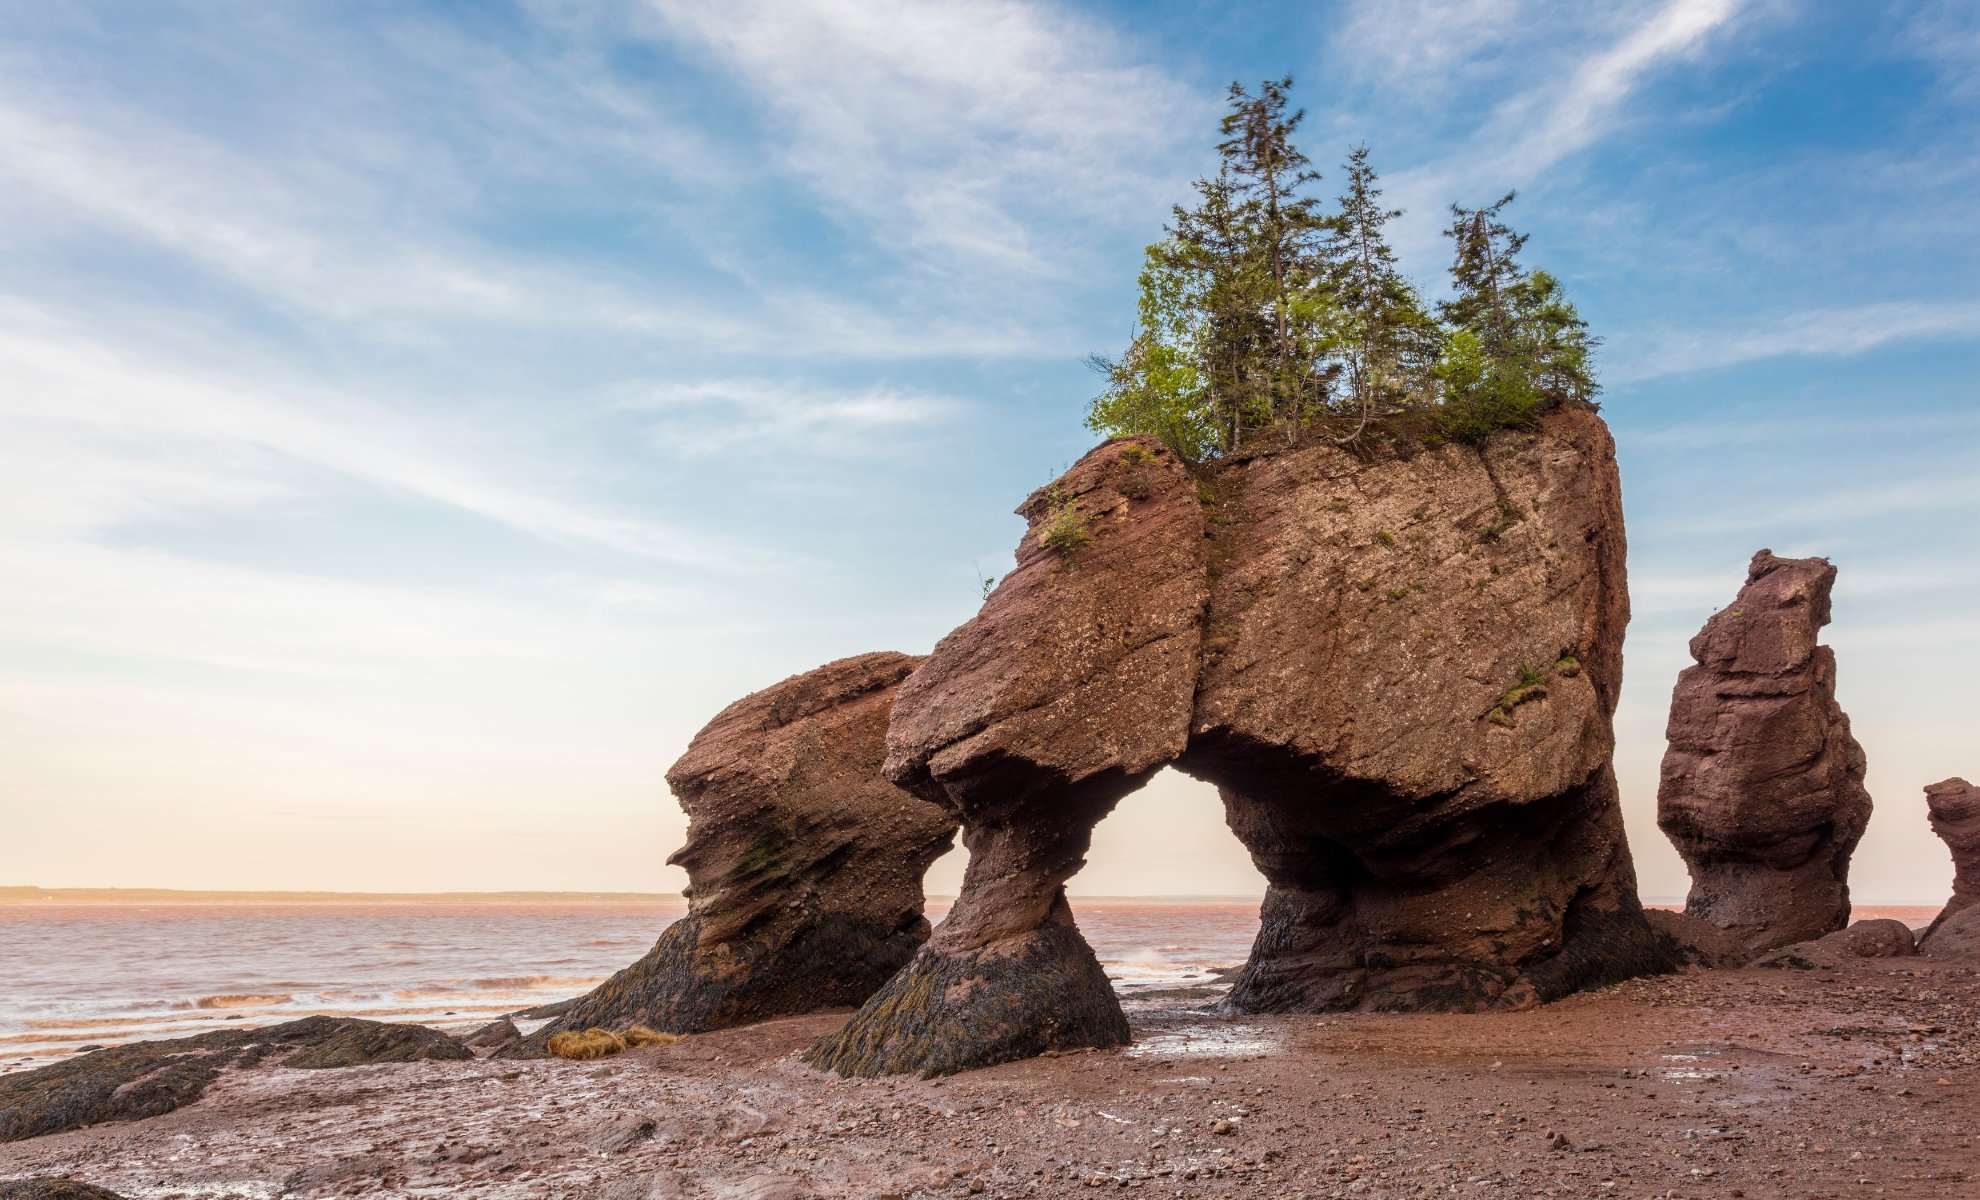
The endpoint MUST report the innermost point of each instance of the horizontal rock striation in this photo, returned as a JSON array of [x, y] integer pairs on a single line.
[[1954, 805], [1399, 672], [1762, 784], [804, 863]]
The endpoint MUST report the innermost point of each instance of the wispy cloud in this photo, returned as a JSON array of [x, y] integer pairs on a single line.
[[102, 438], [1823, 332], [947, 127], [734, 415]]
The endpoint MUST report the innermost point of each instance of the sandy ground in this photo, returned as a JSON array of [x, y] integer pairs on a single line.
[[1755, 1083]]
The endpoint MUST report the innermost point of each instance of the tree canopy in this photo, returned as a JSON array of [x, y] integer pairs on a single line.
[[1264, 313]]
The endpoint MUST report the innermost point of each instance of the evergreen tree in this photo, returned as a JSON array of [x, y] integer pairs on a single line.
[[1386, 342], [1285, 237], [1517, 346], [1485, 270]]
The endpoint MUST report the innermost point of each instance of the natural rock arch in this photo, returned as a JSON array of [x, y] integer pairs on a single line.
[[1400, 674]]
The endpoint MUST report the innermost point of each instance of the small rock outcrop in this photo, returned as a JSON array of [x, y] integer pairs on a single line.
[[1066, 692], [1877, 938], [46, 1188], [1762, 784], [147, 1079], [1400, 673], [1954, 805], [1696, 943], [1955, 939], [804, 863]]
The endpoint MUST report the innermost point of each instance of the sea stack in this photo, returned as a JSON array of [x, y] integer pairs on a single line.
[[1954, 805], [1066, 692], [1398, 669], [1762, 783], [804, 863]]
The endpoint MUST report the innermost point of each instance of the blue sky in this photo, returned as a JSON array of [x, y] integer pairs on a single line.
[[417, 420]]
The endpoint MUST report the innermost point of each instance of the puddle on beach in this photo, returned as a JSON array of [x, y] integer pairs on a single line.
[[1208, 1041], [1692, 1065]]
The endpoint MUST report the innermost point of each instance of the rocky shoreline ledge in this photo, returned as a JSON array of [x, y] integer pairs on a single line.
[[1854, 1078]]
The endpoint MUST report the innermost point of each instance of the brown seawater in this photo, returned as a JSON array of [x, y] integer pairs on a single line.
[[75, 975]]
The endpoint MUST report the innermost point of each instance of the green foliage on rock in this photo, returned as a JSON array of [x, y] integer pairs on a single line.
[[1261, 311]]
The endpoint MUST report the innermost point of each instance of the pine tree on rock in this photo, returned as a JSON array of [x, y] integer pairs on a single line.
[[1387, 343]]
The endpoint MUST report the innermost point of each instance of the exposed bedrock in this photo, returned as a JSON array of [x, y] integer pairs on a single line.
[[1410, 667], [1067, 691], [804, 863], [1400, 673], [1762, 784], [1954, 805], [147, 1079]]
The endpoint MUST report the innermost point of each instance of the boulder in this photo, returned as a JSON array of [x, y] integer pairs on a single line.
[[1954, 805], [1067, 691], [1400, 673], [1955, 939], [1762, 783], [804, 863], [1696, 943], [1410, 669], [147, 1079], [1880, 938], [499, 1034]]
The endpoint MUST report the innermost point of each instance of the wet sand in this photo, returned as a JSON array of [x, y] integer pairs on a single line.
[[1757, 1083]]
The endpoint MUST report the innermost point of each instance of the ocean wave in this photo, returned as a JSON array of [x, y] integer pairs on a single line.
[[241, 1000]]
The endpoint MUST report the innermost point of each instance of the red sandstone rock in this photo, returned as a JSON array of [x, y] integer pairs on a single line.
[[1954, 938], [1696, 943], [1066, 692], [1410, 669], [1400, 672], [1762, 787], [804, 863], [1955, 808]]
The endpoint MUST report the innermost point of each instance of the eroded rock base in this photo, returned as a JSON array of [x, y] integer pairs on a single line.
[[945, 1013], [684, 985]]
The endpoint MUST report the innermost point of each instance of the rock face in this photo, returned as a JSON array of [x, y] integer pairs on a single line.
[[1399, 673], [146, 1079], [1955, 808], [804, 863], [1410, 670], [1066, 692], [1762, 784]]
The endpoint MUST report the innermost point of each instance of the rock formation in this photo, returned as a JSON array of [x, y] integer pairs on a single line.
[[53, 1189], [1955, 808], [146, 1079], [1400, 674], [1762, 784], [1955, 938], [1409, 675], [1066, 692], [1877, 938], [1695, 943], [804, 864]]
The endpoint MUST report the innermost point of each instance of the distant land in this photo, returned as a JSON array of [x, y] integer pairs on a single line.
[[41, 895]]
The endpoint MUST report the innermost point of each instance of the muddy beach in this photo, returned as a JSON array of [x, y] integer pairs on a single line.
[[1859, 1081]]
